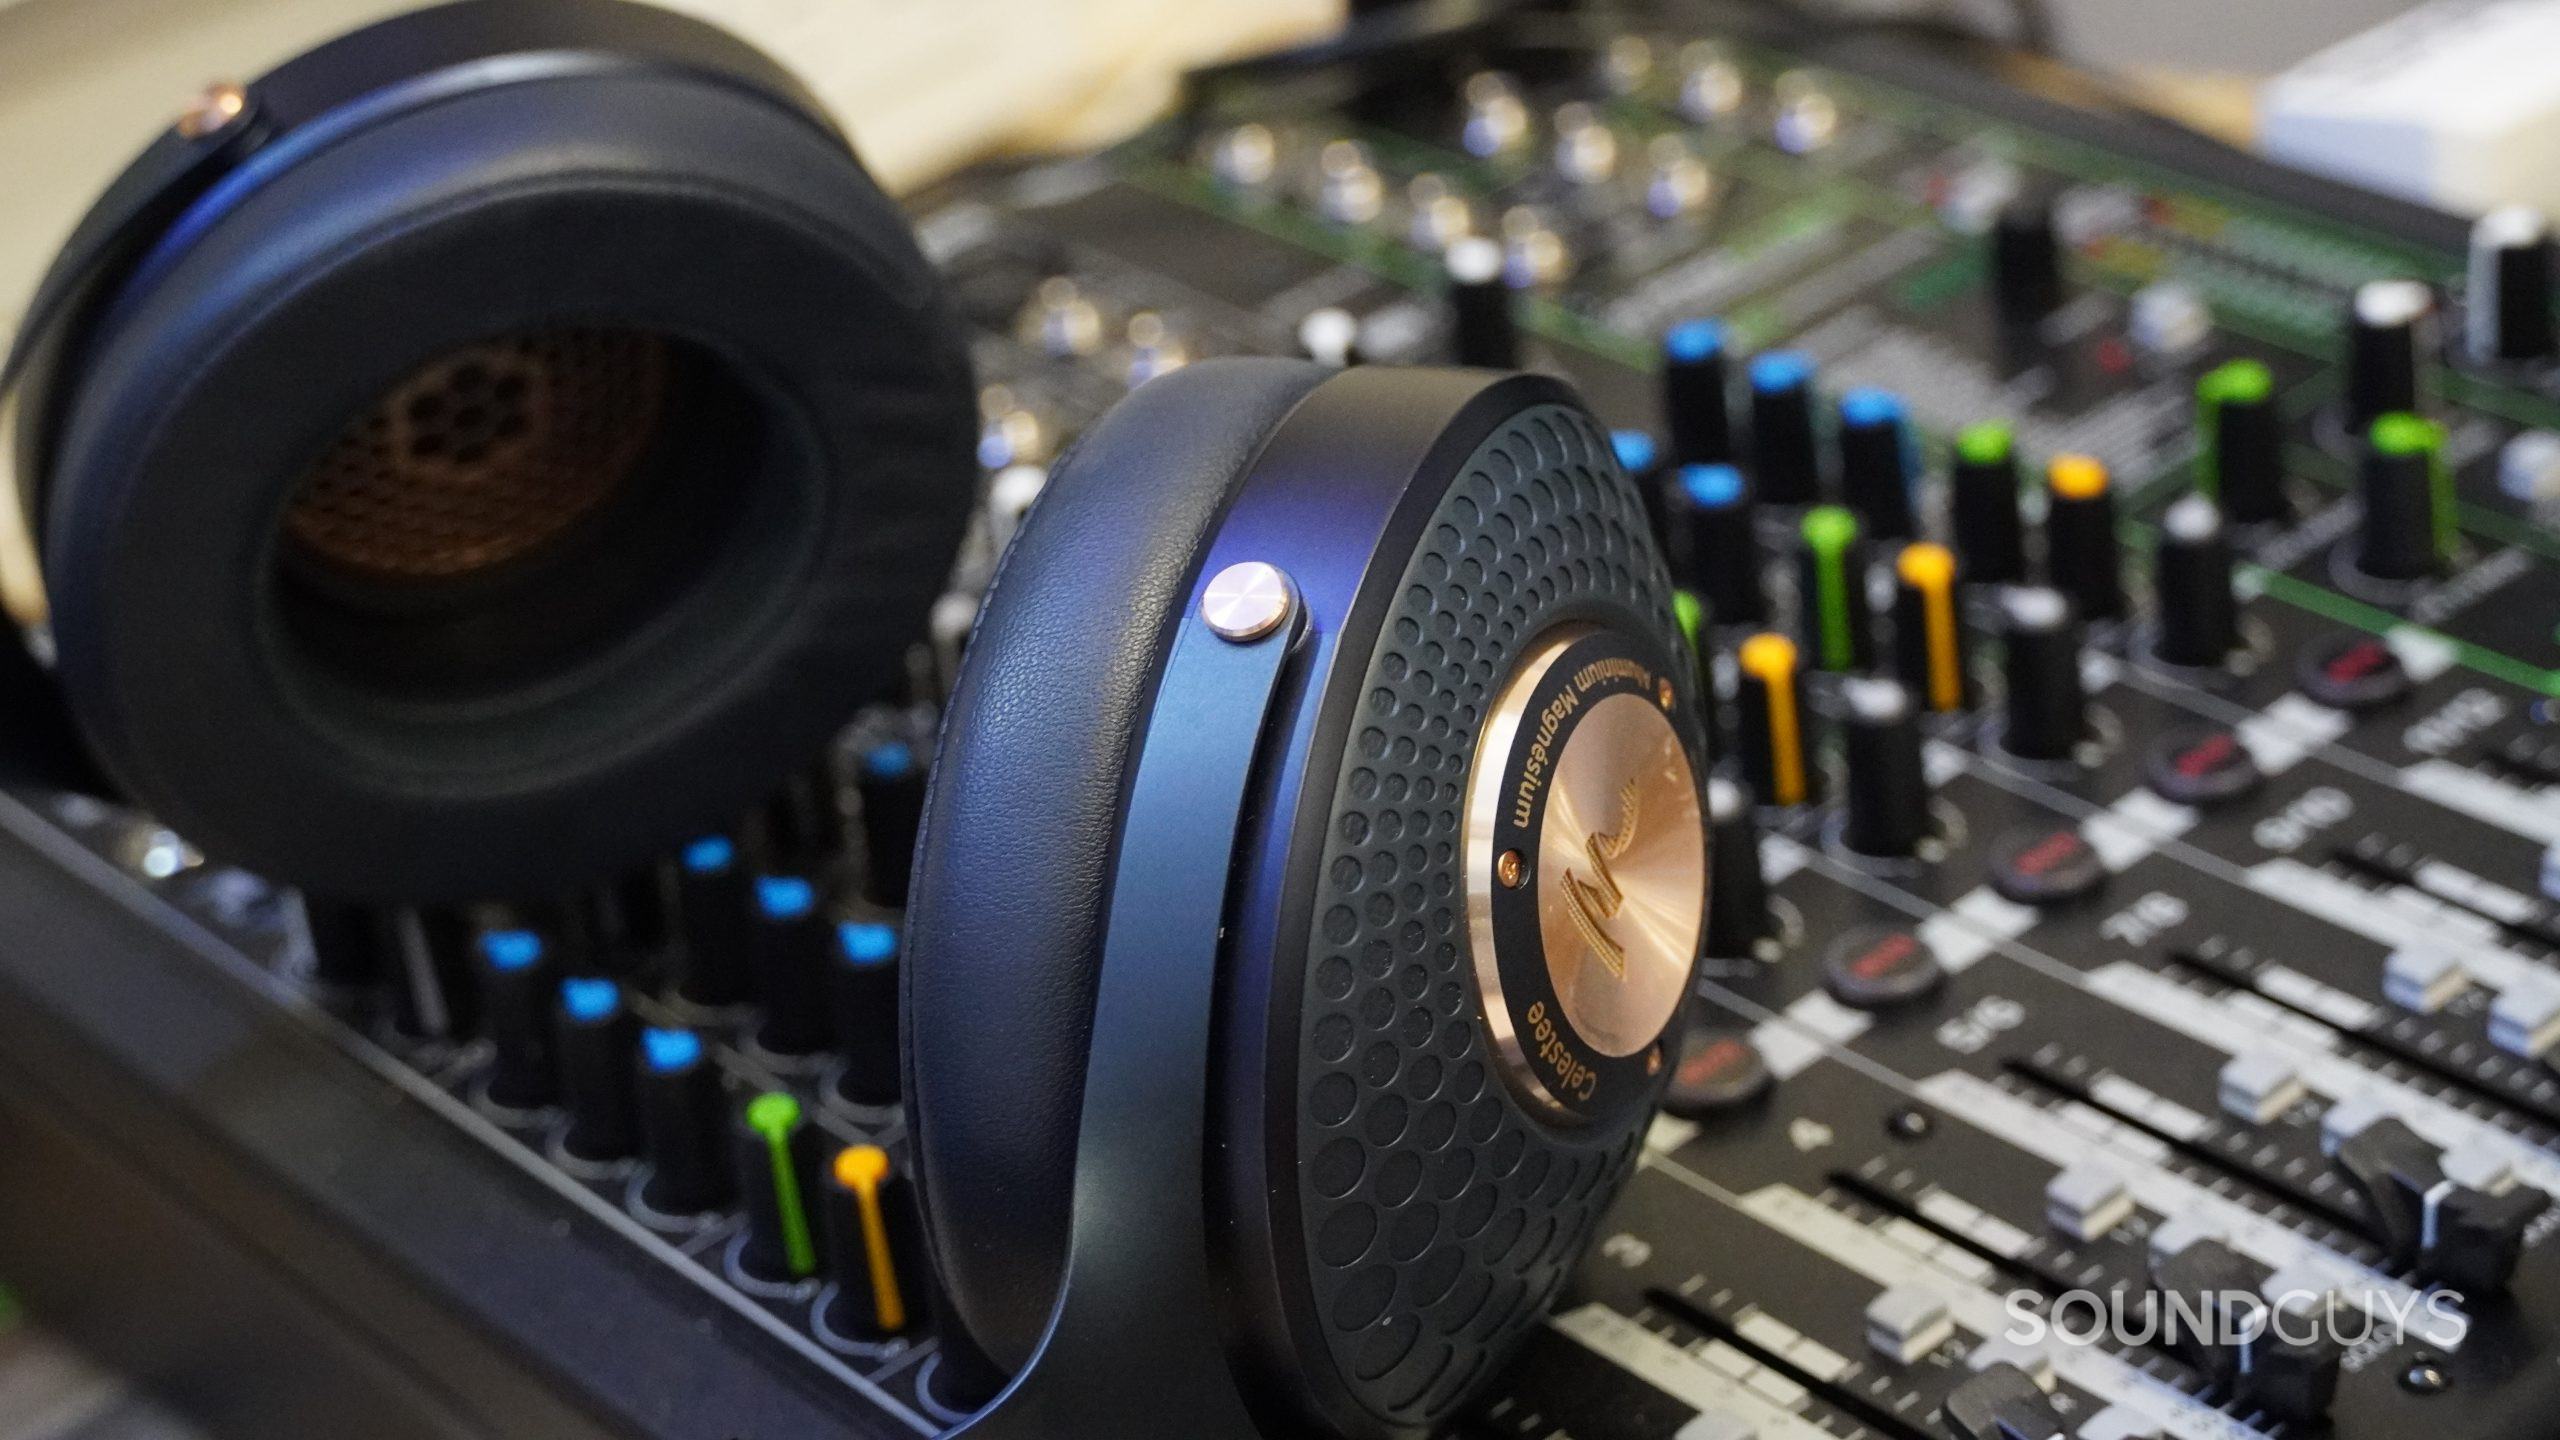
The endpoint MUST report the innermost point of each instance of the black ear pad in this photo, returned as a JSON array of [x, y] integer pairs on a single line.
[[1005, 913], [253, 654]]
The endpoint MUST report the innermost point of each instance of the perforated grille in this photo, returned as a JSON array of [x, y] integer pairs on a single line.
[[483, 456], [1441, 1218]]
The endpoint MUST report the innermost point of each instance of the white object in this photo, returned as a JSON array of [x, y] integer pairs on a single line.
[[2173, 1235], [2455, 104], [2525, 1018], [1474, 260], [2424, 978], [1717, 1425], [2001, 1350], [2510, 234], [1906, 1322], [2119, 1422], [2529, 467], [2298, 1290], [2480, 1164], [2259, 1087], [1009, 498], [1330, 336], [2086, 1201], [2348, 1119], [2170, 318]]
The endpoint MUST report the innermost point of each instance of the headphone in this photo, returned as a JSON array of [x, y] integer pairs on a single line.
[[426, 489], [1313, 869], [1312, 877]]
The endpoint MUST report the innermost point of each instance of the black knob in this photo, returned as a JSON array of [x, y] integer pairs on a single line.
[[2240, 442], [2026, 263], [774, 1151], [2391, 338], [2200, 764], [1642, 460], [1480, 320], [2191, 580], [2286, 1365], [1928, 627], [2083, 557], [352, 946], [892, 784], [960, 1376], [620, 922], [518, 978], [1982, 506], [1696, 408], [1832, 605], [789, 950], [2214, 1289], [1715, 542], [2507, 301], [1698, 626], [2408, 500], [2352, 670], [863, 989], [1770, 723], [2395, 1171], [1718, 1072], [802, 822], [2293, 1368], [711, 922], [683, 1124], [1881, 967], [2458, 1236], [875, 1248], [1879, 461], [2479, 1237], [1785, 466], [1888, 790], [2003, 1402], [435, 994], [596, 1038], [1737, 889], [2048, 711]]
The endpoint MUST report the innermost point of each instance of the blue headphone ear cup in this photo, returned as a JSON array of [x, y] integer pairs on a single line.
[[802, 474], [1405, 1199], [1005, 913]]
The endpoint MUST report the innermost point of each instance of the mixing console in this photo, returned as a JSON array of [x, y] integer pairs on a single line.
[[2129, 575], [2186, 917]]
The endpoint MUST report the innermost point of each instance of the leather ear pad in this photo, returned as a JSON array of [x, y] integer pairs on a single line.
[[712, 633], [1005, 913]]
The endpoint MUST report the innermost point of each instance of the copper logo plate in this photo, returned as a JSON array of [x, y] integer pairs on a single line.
[[1587, 865]]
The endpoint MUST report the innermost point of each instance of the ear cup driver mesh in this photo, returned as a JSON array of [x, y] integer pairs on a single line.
[[1440, 1216], [484, 455]]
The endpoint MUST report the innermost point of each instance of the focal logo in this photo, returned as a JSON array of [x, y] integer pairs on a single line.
[[1595, 902], [1587, 870]]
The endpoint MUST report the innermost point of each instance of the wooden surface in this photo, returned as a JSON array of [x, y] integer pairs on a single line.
[[924, 85]]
